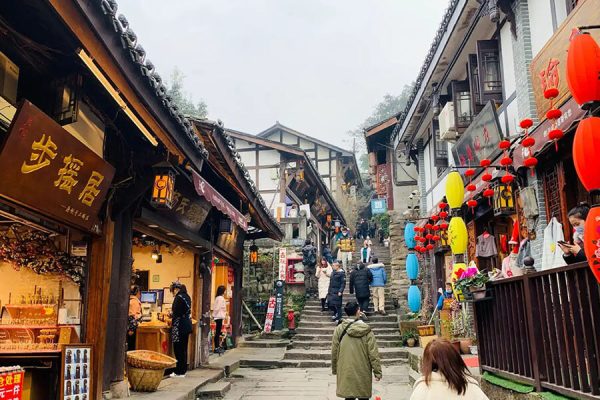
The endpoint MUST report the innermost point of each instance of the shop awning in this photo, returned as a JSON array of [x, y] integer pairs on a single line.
[[205, 190], [571, 114]]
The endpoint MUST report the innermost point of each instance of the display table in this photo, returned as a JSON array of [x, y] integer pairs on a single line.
[[154, 336]]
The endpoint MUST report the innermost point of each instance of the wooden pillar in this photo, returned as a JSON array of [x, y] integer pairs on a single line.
[[282, 183], [206, 302], [237, 302], [97, 303]]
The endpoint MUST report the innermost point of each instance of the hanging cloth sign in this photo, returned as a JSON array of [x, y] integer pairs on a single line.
[[205, 190]]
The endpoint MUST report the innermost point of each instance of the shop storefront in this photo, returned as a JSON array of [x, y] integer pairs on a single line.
[[53, 188]]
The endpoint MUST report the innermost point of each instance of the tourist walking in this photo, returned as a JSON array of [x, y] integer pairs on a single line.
[[219, 315], [366, 252], [354, 356], [337, 283], [378, 284], [309, 260], [364, 228], [372, 228], [327, 254], [345, 244], [360, 279], [135, 316], [324, 271], [181, 327], [445, 375]]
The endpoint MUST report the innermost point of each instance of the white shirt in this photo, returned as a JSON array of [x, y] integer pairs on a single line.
[[552, 255]]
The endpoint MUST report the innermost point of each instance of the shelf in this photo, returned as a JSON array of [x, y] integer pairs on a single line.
[[8, 326], [25, 306], [22, 351]]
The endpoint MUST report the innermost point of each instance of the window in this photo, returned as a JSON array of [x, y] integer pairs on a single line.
[[571, 4], [473, 73], [488, 68], [463, 112], [440, 149]]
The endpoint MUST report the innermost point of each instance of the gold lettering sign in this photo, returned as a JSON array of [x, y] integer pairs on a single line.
[[548, 68], [44, 167]]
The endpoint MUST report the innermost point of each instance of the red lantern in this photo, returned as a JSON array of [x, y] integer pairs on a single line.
[[417, 229], [526, 123], [443, 214], [488, 193], [422, 250], [592, 241], [485, 163], [528, 141], [555, 113], [586, 153], [436, 228], [428, 226], [443, 205], [435, 218], [429, 236], [486, 177], [436, 238], [583, 67], [530, 163], [471, 187], [472, 203], [443, 225], [504, 145], [470, 172], [429, 246], [507, 179], [506, 161], [551, 93]]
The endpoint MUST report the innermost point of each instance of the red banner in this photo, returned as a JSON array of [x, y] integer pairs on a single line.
[[205, 190], [11, 385]]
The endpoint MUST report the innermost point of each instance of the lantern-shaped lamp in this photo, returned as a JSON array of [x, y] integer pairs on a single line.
[[504, 203], [455, 190], [458, 236], [253, 255], [414, 298], [163, 190], [583, 67], [409, 235], [412, 266]]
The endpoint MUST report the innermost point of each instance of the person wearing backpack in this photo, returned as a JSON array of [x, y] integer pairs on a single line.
[[354, 356], [309, 260]]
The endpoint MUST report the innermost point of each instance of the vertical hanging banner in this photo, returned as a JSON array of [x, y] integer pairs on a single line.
[[270, 315], [282, 263]]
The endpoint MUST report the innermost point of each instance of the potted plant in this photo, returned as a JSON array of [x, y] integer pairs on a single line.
[[411, 338], [473, 285]]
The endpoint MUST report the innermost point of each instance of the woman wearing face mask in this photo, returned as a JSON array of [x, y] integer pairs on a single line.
[[573, 253]]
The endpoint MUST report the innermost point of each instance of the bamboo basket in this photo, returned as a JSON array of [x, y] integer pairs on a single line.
[[144, 380], [426, 330], [146, 359]]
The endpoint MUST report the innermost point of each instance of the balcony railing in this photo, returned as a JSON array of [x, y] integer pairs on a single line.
[[543, 329]]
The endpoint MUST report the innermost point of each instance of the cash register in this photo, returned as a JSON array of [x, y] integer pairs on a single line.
[[149, 305]]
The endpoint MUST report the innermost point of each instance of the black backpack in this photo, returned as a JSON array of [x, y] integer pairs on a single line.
[[309, 256]]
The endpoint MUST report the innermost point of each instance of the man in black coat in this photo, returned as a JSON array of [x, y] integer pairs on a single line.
[[309, 260], [337, 283], [360, 279]]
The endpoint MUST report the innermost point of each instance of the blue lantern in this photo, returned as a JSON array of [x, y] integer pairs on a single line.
[[414, 299], [412, 266], [409, 235]]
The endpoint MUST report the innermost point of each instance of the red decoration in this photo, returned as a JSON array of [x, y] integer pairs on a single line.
[[436, 238], [488, 193], [470, 172], [526, 123], [443, 205], [436, 228], [507, 179], [592, 241], [485, 163], [486, 177], [471, 187], [528, 141], [417, 229], [444, 225], [435, 218], [443, 214], [586, 153], [555, 113], [506, 161], [429, 246], [472, 203], [428, 226], [583, 67], [422, 250], [429, 236], [504, 145], [550, 94], [531, 163]]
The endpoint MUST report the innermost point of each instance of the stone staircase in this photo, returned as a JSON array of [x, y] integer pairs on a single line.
[[311, 346]]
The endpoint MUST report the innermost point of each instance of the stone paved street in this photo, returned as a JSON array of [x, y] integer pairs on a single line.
[[312, 383]]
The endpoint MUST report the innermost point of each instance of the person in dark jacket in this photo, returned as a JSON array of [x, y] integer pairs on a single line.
[[181, 327], [573, 253], [309, 260], [337, 283], [327, 254], [360, 279]]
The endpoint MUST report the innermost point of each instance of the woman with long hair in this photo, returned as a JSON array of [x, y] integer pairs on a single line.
[[445, 375], [574, 253], [181, 327], [219, 314]]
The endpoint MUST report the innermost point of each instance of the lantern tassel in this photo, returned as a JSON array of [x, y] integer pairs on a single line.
[[556, 145]]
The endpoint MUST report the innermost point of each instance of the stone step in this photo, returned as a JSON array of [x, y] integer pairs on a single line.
[[374, 324], [263, 343], [329, 330], [310, 316], [311, 344], [301, 354], [328, 337], [215, 390], [264, 364]]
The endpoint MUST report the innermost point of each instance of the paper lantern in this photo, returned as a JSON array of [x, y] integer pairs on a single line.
[[457, 235], [508, 179], [586, 153], [428, 236], [471, 187], [486, 177], [583, 67], [429, 246], [592, 241], [163, 190], [455, 190], [253, 254], [470, 172], [488, 193], [486, 162], [443, 214], [412, 266], [435, 218], [443, 225], [409, 235], [443, 205], [428, 226], [414, 299], [526, 123], [504, 145]]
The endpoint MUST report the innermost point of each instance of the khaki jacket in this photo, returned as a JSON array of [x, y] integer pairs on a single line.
[[438, 389], [355, 360]]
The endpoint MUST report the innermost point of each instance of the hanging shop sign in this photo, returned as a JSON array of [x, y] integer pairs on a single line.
[[270, 314], [570, 114], [44, 167], [378, 206], [232, 242], [188, 210], [11, 383], [205, 190], [282, 263], [480, 140], [548, 68]]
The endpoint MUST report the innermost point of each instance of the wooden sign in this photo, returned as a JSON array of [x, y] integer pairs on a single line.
[[548, 68], [76, 373], [44, 167]]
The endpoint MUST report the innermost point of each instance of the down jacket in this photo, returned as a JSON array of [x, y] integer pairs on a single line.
[[337, 283], [438, 389], [359, 282], [379, 275], [324, 276]]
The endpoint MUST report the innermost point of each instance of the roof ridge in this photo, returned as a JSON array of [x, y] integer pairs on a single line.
[[294, 131]]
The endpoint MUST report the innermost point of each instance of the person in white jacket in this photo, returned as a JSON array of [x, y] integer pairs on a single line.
[[445, 375], [324, 271]]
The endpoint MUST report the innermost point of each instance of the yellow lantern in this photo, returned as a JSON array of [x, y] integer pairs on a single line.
[[457, 235], [163, 190], [253, 255], [455, 190]]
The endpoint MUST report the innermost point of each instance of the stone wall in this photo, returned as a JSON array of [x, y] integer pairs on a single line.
[[398, 253]]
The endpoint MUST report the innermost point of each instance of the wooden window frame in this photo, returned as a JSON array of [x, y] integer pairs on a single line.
[[458, 88], [484, 49]]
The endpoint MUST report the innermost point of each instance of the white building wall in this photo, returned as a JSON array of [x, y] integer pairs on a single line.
[[540, 21], [268, 157], [287, 138], [248, 158], [268, 178], [508, 63]]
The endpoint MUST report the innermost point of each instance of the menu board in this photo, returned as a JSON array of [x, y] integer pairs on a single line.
[[76, 372]]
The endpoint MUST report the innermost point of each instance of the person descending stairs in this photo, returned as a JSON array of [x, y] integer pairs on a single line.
[[311, 346]]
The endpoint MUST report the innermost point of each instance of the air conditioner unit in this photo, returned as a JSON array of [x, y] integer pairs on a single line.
[[9, 78], [447, 124]]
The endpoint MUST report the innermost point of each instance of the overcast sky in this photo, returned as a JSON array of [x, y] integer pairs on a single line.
[[317, 66]]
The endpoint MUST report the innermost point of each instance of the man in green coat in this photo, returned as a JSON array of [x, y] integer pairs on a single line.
[[354, 356]]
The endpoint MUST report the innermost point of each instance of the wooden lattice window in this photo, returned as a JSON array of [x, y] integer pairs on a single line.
[[554, 185]]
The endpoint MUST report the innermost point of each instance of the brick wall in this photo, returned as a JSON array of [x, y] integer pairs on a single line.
[[542, 221], [523, 55], [422, 184]]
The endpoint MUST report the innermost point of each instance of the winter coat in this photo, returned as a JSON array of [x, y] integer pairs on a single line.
[[355, 359], [379, 275], [575, 258], [438, 389], [359, 282], [327, 254], [309, 255], [182, 319], [366, 254], [337, 283], [324, 276]]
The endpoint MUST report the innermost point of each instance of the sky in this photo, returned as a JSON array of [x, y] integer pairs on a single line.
[[316, 66]]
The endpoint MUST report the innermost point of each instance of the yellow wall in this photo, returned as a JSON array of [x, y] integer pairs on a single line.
[[173, 267]]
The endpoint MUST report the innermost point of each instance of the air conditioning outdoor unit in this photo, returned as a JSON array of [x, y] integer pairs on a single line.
[[447, 125]]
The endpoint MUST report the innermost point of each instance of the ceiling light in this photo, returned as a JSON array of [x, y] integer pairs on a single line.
[[170, 234], [155, 254], [185, 241], [144, 235], [152, 226]]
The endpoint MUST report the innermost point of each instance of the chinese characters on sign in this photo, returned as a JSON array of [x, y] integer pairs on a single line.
[[480, 140], [282, 263], [44, 167], [270, 314], [11, 384]]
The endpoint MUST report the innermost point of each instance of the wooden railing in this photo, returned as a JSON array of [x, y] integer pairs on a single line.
[[543, 329]]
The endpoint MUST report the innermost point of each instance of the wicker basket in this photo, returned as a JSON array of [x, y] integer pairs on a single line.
[[426, 330], [144, 380], [146, 359]]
